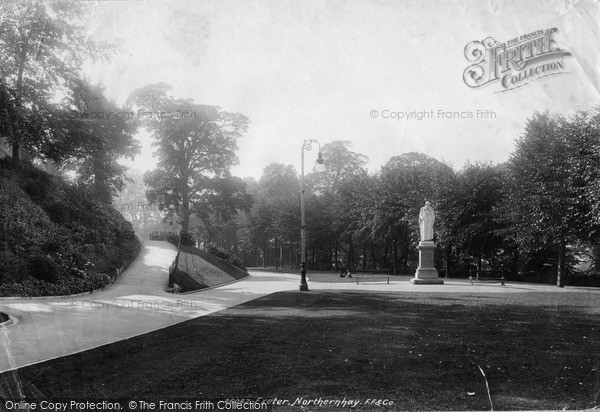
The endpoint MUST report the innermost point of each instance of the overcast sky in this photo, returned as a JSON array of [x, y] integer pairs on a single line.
[[318, 69]]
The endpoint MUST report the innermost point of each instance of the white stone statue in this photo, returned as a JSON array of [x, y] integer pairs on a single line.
[[426, 219]]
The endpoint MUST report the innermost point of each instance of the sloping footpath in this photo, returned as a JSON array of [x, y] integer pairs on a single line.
[[46, 328]]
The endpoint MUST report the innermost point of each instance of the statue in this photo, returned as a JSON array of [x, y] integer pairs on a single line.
[[426, 273], [426, 220]]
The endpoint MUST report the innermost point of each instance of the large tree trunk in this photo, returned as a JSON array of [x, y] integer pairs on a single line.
[[15, 151], [23, 55], [335, 258], [373, 257], [100, 187], [560, 272], [385, 255], [350, 265], [395, 245], [185, 212], [515, 264], [291, 254], [235, 244], [448, 256], [595, 251], [395, 259]]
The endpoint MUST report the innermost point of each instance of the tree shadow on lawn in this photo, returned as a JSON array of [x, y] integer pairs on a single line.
[[538, 351]]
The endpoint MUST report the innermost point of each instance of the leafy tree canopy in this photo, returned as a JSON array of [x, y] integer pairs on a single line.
[[195, 145]]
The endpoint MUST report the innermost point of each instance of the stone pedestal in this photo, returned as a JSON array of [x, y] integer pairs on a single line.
[[426, 272]]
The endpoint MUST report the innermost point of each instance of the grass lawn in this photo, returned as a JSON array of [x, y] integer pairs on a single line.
[[420, 350]]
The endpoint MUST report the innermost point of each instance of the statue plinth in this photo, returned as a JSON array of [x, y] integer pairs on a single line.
[[426, 273]]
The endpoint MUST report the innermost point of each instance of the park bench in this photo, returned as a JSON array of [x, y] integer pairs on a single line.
[[487, 276], [374, 271], [366, 278]]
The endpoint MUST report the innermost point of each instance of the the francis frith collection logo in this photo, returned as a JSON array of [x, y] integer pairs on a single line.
[[515, 62]]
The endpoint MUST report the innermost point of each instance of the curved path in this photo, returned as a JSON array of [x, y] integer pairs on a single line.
[[137, 303]]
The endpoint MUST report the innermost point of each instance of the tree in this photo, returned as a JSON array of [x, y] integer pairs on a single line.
[[405, 182], [195, 145], [134, 207], [42, 46], [16, 119], [340, 162], [468, 213], [581, 132], [275, 216], [224, 198], [278, 183], [93, 133], [350, 212], [542, 201], [329, 225]]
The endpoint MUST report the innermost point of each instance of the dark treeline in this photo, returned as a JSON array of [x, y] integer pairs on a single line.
[[530, 217]]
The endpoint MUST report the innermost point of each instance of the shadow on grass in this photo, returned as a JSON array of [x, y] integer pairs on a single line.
[[425, 351]]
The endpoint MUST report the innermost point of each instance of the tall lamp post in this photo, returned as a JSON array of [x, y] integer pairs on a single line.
[[319, 167]]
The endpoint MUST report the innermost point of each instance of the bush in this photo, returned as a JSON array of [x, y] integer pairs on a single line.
[[58, 212], [56, 233], [584, 279], [6, 163], [43, 268], [231, 259], [38, 189], [12, 267], [235, 260], [64, 285], [115, 257], [218, 253], [187, 239]]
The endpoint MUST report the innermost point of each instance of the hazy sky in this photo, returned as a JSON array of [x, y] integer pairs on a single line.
[[317, 69]]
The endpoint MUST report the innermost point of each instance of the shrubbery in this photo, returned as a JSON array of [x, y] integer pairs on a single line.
[[57, 238], [12, 267], [42, 267], [187, 239], [231, 259], [584, 279], [218, 253], [64, 285]]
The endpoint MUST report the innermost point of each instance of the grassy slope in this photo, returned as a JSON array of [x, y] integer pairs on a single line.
[[201, 271], [55, 238], [423, 351], [228, 267]]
